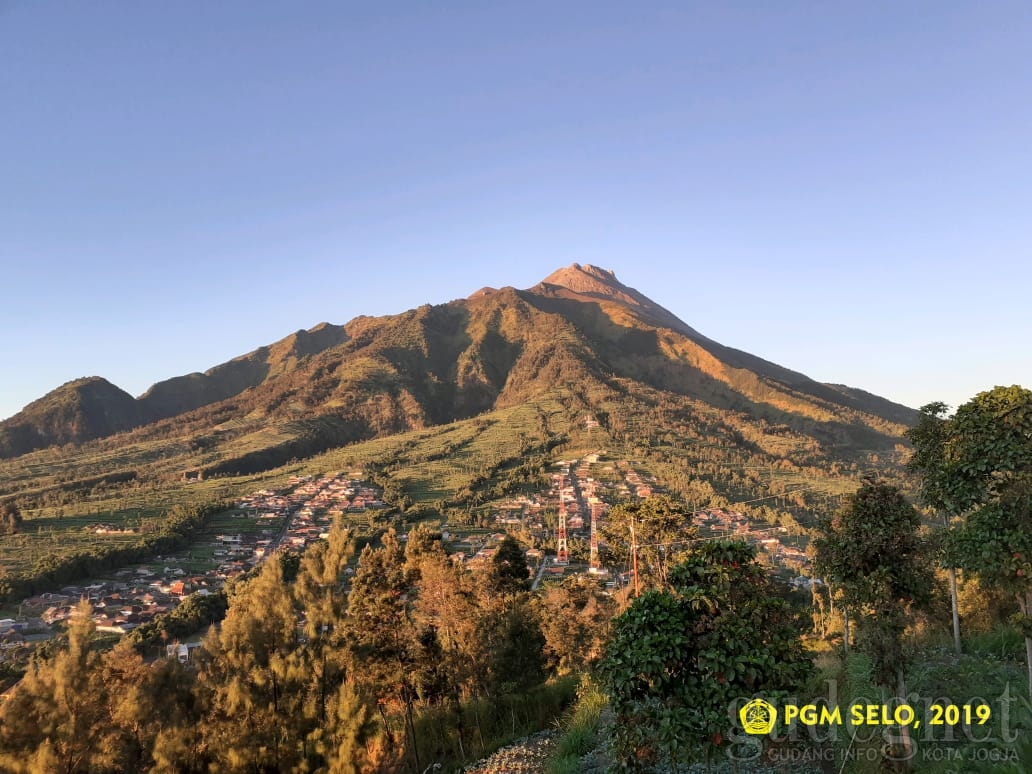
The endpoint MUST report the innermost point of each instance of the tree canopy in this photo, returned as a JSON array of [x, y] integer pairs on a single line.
[[10, 518], [982, 465], [990, 444], [509, 571], [662, 531], [679, 657], [872, 553]]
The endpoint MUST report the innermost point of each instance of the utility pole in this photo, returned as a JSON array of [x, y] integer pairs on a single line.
[[634, 558], [594, 566]]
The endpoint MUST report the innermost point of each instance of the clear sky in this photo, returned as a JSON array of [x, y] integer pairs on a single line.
[[842, 188]]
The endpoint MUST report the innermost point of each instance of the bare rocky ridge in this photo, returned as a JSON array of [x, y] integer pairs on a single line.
[[590, 281]]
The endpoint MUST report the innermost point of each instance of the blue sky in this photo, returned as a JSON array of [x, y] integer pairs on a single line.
[[844, 189]]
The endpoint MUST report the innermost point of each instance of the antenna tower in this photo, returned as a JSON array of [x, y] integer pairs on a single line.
[[562, 552]]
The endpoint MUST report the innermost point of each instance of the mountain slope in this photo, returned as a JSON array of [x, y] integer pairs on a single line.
[[185, 393], [77, 411], [751, 375], [579, 330]]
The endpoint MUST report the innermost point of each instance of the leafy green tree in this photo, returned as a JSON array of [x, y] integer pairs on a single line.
[[660, 528], [929, 436], [989, 446], [987, 473], [996, 542], [872, 553], [680, 656]]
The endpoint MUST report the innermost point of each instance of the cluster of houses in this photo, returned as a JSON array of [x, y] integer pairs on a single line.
[[718, 521], [307, 512], [577, 492], [637, 484], [580, 494], [132, 597], [135, 595], [111, 529]]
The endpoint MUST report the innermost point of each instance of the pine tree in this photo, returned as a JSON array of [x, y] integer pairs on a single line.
[[381, 633], [509, 571], [253, 680], [55, 719]]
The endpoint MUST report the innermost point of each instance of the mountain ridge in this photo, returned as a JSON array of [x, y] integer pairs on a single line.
[[579, 326]]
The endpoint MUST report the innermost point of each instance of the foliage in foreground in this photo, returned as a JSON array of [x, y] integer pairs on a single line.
[[977, 464], [418, 662], [871, 553], [679, 659]]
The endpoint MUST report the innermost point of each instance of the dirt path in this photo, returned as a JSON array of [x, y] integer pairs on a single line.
[[524, 756]]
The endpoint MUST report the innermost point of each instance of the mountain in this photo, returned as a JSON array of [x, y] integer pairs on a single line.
[[78, 411], [580, 331], [185, 393], [581, 283]]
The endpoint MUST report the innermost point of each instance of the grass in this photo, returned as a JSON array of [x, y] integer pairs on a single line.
[[580, 728], [991, 671], [62, 530], [454, 736]]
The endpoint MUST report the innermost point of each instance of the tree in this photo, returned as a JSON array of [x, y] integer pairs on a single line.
[[987, 473], [341, 744], [929, 435], [871, 551], [335, 714], [319, 594], [509, 571], [659, 528], [576, 621], [147, 706], [448, 607], [253, 679], [680, 656], [54, 721], [381, 633], [514, 646], [10, 518]]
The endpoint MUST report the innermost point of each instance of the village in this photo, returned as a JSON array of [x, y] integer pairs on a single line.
[[573, 507], [265, 521], [582, 492]]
